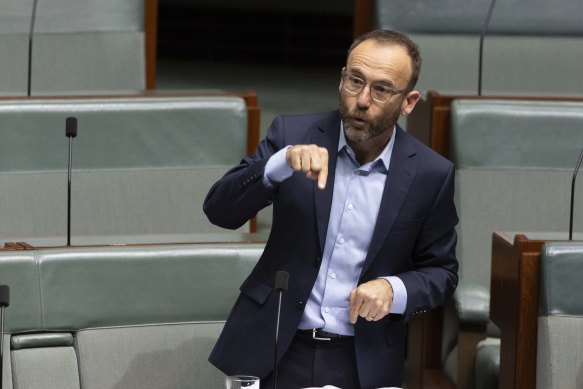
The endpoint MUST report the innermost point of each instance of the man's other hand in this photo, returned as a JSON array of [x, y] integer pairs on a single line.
[[372, 300]]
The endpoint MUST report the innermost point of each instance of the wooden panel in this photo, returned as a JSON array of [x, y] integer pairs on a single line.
[[151, 36], [436, 379], [363, 17], [423, 362], [527, 321], [513, 307], [253, 124]]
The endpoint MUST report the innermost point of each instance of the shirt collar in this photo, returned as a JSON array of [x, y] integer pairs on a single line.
[[384, 158]]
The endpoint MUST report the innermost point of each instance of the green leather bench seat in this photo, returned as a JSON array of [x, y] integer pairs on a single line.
[[487, 364], [533, 46], [119, 317], [77, 46], [514, 164], [512, 157], [560, 317], [141, 165]]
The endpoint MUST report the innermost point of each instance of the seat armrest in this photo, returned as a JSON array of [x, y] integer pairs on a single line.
[[472, 304]]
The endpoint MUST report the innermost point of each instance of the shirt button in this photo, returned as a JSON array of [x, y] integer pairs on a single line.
[[333, 276], [350, 206], [327, 310], [341, 241]]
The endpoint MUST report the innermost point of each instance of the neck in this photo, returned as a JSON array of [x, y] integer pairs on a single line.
[[368, 150]]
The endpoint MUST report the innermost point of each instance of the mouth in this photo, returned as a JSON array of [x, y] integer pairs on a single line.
[[357, 121]]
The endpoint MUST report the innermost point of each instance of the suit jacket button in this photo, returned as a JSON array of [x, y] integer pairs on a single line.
[[317, 262], [300, 305]]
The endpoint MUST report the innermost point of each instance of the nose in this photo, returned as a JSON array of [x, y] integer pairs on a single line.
[[363, 99]]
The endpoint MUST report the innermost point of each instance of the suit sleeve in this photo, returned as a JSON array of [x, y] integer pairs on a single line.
[[240, 193], [433, 277]]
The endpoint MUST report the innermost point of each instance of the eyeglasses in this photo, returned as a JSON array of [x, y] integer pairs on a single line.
[[378, 92]]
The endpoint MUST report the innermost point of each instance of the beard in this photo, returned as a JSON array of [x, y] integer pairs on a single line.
[[360, 127]]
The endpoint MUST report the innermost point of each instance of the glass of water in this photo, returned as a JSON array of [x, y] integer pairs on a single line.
[[241, 381]]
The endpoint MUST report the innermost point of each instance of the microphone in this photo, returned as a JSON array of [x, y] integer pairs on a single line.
[[573, 194], [30, 35], [281, 281], [4, 302], [71, 132], [482, 36]]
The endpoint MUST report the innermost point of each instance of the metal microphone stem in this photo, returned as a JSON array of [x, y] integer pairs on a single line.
[[1, 345], [69, 192], [482, 36], [573, 195], [276, 339]]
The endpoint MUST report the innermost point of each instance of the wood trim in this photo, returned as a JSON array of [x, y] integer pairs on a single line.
[[468, 338], [514, 307], [527, 320], [363, 17], [253, 120], [253, 125], [13, 246], [424, 332], [151, 38], [436, 379]]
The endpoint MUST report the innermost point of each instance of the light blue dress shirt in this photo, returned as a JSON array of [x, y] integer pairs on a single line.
[[358, 190]]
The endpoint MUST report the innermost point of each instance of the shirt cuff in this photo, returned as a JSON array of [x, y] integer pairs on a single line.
[[277, 169], [399, 295]]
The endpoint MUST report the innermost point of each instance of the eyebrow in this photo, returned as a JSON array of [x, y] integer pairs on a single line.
[[358, 73]]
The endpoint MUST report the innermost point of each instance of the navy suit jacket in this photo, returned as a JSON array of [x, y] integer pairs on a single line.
[[414, 239]]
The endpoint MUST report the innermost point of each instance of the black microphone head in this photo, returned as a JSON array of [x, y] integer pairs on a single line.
[[281, 280], [71, 127], [4, 295]]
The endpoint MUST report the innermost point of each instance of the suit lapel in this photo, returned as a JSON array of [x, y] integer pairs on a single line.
[[326, 135], [401, 174]]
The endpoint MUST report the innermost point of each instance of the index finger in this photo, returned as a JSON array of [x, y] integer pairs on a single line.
[[354, 306], [323, 175]]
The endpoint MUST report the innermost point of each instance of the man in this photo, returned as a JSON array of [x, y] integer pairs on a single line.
[[363, 222]]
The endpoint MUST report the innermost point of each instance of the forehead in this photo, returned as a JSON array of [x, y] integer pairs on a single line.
[[377, 60]]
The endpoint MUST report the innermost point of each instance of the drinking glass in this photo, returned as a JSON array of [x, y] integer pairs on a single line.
[[241, 381]]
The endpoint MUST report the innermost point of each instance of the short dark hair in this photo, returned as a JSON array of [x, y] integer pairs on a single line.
[[390, 37]]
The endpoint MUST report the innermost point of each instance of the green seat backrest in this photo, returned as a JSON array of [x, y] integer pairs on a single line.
[[533, 47], [141, 165], [77, 46], [110, 317], [560, 292], [515, 162], [517, 17], [560, 321], [72, 289]]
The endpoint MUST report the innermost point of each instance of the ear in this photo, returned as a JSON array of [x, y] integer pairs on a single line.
[[409, 102]]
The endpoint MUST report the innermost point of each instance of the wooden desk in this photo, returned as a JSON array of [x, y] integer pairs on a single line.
[[136, 240], [514, 303]]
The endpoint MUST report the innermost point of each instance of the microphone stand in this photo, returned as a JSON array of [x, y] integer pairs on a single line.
[[573, 194], [4, 302], [71, 132], [281, 281], [482, 36], [30, 34]]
